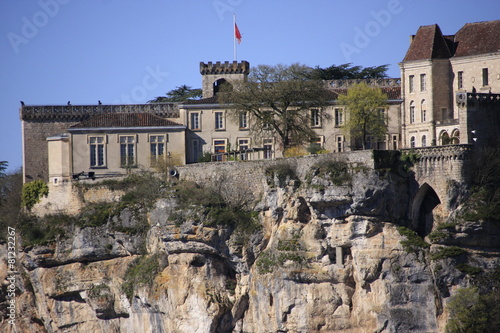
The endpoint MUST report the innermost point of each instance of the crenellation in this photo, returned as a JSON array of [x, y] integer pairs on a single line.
[[226, 67]]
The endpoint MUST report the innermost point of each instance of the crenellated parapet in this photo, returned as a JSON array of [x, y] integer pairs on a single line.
[[82, 112], [226, 67]]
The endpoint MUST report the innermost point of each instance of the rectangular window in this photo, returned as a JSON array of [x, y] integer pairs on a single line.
[[195, 149], [97, 155], [244, 120], [194, 121], [395, 142], [412, 114], [411, 83], [424, 115], [243, 145], [219, 120], [219, 149], [460, 80], [268, 145], [340, 143], [315, 118], [127, 151], [339, 121], [157, 147], [423, 83], [485, 76]]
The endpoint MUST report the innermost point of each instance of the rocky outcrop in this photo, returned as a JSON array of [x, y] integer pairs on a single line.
[[328, 257]]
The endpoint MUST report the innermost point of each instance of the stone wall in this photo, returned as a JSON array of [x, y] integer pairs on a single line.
[[35, 148], [251, 174]]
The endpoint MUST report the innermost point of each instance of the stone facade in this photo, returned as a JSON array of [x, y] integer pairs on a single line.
[[439, 73]]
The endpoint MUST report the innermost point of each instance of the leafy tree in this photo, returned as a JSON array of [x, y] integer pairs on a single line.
[[364, 119], [472, 312], [279, 100], [3, 167], [179, 94], [10, 199], [346, 71]]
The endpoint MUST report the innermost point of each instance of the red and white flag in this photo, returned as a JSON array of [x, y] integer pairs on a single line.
[[237, 33]]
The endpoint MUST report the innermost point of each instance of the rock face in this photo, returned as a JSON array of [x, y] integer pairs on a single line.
[[327, 258]]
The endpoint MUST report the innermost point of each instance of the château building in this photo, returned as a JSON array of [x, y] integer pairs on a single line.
[[451, 86], [449, 93]]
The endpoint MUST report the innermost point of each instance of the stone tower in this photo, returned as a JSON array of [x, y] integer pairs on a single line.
[[216, 74]]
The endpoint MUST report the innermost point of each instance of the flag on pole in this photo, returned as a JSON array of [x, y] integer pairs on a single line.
[[237, 33]]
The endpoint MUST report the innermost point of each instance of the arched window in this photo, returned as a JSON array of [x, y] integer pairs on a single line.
[[412, 142], [424, 141], [445, 138], [455, 137], [412, 112], [423, 111]]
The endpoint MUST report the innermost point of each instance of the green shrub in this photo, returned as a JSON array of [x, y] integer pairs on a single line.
[[437, 236], [447, 252], [282, 171], [409, 159], [468, 269], [294, 151], [336, 172], [44, 230], [143, 270], [96, 215], [32, 192], [206, 157], [266, 262], [413, 241]]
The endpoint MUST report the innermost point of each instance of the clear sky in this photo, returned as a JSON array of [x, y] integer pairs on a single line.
[[130, 51]]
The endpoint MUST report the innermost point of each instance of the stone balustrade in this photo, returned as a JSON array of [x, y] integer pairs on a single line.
[[81, 112]]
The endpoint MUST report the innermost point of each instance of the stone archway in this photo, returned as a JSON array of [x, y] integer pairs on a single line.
[[426, 199]]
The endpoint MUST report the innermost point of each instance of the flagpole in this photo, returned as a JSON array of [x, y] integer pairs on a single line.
[[234, 36]]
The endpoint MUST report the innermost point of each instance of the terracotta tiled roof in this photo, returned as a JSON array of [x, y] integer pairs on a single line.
[[428, 43], [478, 38], [125, 120]]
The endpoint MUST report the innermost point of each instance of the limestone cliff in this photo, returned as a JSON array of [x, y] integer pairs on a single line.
[[320, 251]]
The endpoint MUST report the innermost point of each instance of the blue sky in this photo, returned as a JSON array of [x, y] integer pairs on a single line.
[[130, 51]]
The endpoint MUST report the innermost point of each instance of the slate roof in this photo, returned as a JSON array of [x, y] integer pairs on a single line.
[[472, 39], [125, 120]]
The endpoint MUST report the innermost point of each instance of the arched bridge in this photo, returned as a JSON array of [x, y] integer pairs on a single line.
[[436, 171]]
